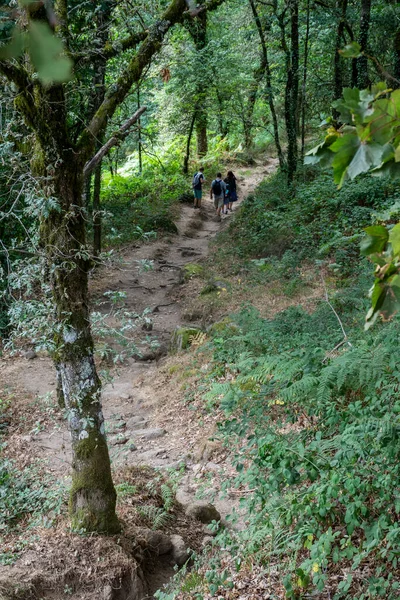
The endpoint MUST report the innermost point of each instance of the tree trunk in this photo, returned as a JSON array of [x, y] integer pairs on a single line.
[[251, 102], [92, 496], [201, 132], [362, 62], [270, 95], [97, 211], [396, 69], [97, 97], [337, 59], [292, 92], [304, 88], [87, 190], [198, 31], [139, 135], [223, 129], [189, 140]]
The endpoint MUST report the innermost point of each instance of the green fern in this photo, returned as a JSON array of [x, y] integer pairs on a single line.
[[155, 516], [300, 389], [168, 496]]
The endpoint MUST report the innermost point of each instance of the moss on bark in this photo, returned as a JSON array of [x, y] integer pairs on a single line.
[[92, 495]]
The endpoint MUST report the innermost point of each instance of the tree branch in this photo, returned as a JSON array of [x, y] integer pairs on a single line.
[[134, 70], [115, 48], [345, 338], [381, 70], [113, 141], [111, 49], [17, 75], [132, 73]]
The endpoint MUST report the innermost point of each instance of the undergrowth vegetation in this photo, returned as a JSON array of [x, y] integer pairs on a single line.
[[29, 499], [138, 204], [317, 221], [311, 401], [318, 444]]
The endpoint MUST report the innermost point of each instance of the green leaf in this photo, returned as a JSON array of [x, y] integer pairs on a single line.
[[389, 169], [321, 153], [347, 105], [46, 52], [391, 304], [377, 295], [377, 237], [394, 239], [345, 148], [366, 157], [352, 50]]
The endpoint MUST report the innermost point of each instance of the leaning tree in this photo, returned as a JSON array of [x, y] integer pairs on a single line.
[[66, 122]]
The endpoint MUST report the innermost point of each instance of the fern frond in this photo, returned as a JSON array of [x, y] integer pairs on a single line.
[[168, 496], [302, 388], [155, 516]]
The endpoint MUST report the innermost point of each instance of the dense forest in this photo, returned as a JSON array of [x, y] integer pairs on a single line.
[[199, 403]]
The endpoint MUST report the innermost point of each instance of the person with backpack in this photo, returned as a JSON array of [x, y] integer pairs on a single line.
[[218, 189], [227, 198], [230, 181], [197, 184]]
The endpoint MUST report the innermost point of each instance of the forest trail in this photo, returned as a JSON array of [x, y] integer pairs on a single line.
[[148, 423], [145, 424]]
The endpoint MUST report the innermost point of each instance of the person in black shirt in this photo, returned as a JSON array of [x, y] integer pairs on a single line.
[[198, 180]]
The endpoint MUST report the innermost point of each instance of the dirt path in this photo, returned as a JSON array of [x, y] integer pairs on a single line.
[[127, 403], [145, 422]]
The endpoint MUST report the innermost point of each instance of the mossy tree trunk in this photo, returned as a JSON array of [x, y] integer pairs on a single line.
[[201, 132], [396, 65], [265, 67], [103, 22], [92, 498], [363, 80], [304, 86], [97, 224], [248, 120], [188, 143], [338, 61]]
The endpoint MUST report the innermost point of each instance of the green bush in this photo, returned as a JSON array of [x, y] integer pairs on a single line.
[[317, 219], [137, 204]]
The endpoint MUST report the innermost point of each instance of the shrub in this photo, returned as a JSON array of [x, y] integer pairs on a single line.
[[317, 423], [145, 202], [317, 218]]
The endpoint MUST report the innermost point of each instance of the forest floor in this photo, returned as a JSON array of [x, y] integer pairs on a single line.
[[148, 423]]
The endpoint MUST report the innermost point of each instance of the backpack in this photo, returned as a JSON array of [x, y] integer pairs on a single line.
[[196, 179], [216, 188]]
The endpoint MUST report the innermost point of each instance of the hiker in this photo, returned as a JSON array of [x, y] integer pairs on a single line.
[[198, 180], [230, 181], [226, 198], [218, 189]]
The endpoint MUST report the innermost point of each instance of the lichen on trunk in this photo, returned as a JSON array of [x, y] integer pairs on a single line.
[[92, 497]]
